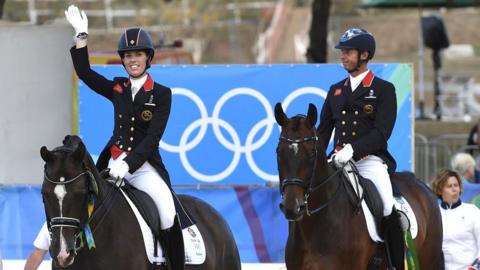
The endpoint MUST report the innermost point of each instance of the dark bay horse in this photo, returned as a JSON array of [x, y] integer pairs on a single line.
[[325, 230], [72, 181]]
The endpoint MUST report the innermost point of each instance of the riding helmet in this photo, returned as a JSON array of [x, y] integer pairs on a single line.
[[357, 38], [136, 39]]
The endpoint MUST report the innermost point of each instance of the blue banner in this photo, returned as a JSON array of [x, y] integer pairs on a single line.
[[222, 128], [259, 228]]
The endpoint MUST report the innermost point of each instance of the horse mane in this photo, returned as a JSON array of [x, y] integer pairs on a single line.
[[71, 143]]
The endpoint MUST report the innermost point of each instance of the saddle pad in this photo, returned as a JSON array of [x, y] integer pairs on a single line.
[[401, 204], [147, 234], [195, 252]]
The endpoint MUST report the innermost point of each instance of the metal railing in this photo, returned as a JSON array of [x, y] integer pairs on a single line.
[[433, 154]]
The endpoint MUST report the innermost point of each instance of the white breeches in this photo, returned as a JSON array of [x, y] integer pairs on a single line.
[[375, 169], [147, 179]]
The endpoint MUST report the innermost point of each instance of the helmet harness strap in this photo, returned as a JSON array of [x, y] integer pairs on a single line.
[[359, 62]]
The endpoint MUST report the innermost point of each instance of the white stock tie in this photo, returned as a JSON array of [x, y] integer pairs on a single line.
[[134, 91]]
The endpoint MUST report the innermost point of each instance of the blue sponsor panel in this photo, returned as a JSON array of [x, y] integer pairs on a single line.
[[258, 226], [21, 217], [222, 128]]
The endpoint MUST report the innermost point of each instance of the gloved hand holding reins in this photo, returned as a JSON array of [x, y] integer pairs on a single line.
[[343, 156], [119, 169]]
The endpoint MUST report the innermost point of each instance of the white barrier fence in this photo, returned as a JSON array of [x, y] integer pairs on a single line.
[[47, 265]]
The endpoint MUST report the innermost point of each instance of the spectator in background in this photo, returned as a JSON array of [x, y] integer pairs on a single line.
[[41, 244], [464, 165], [473, 144], [473, 138], [461, 222]]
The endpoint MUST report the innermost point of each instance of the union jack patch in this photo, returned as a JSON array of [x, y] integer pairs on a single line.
[[117, 88], [337, 92]]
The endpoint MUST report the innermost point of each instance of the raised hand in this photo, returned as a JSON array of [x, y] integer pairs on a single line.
[[78, 20]]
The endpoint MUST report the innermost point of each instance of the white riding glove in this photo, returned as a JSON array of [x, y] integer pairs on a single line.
[[343, 156], [119, 169], [77, 20]]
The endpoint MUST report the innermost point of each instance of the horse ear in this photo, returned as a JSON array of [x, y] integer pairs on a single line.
[[46, 155], [66, 139], [280, 116], [312, 115], [79, 152]]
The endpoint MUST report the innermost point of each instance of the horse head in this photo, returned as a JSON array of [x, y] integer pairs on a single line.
[[67, 188], [298, 152]]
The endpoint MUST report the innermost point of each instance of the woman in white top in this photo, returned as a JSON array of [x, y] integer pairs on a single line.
[[461, 222], [41, 245]]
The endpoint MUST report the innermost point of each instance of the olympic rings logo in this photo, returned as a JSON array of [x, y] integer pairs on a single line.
[[235, 146]]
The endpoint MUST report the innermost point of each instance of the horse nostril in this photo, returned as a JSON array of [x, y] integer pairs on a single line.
[[301, 209]]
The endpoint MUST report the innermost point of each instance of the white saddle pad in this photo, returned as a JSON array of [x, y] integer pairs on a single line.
[[195, 252], [401, 204]]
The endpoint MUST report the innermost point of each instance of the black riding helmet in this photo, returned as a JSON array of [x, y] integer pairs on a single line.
[[357, 38], [136, 39]]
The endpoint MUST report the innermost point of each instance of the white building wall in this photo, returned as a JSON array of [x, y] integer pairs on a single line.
[[36, 97]]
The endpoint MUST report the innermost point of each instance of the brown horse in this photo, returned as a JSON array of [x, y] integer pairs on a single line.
[[326, 230]]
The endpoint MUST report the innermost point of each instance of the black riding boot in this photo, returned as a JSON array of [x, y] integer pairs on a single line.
[[173, 247], [394, 241]]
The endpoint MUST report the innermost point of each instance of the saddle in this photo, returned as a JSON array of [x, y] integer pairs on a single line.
[[171, 239], [363, 192], [149, 212], [363, 188]]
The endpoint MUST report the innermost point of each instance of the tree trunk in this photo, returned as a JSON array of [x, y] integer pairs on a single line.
[[317, 51], [2, 3]]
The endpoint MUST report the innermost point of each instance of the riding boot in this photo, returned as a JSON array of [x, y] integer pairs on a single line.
[[173, 246], [394, 241]]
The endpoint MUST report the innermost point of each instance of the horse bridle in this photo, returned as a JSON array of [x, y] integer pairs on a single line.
[[309, 189], [75, 222], [60, 222]]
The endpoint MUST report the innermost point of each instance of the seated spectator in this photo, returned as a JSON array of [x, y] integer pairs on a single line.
[[473, 143], [464, 165], [41, 244], [461, 222], [473, 138]]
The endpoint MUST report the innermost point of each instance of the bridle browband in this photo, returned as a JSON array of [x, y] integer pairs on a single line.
[[309, 190], [69, 180]]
